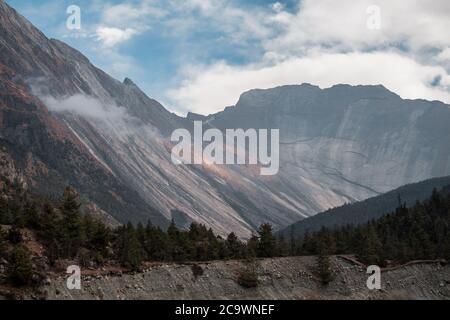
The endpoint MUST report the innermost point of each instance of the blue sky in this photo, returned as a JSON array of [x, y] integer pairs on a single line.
[[200, 55]]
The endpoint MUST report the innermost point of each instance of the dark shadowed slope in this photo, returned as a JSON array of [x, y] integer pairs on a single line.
[[370, 209]]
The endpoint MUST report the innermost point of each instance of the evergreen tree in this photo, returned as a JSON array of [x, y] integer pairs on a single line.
[[323, 265], [293, 249], [371, 250], [267, 242], [129, 248], [20, 269], [252, 247], [234, 246], [282, 248], [31, 216], [72, 231]]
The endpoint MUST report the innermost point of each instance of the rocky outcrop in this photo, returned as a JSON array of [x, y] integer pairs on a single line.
[[282, 278]]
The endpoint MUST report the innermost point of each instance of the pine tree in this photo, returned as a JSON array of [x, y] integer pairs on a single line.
[[267, 242], [282, 249], [20, 269], [129, 247], [72, 225], [212, 241], [234, 246], [157, 245], [31, 216], [50, 224], [252, 248], [323, 265], [371, 248]]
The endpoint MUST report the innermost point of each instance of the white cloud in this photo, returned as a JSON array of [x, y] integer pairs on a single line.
[[444, 55], [113, 36], [85, 106], [322, 42], [236, 23], [125, 14], [121, 22], [209, 89], [326, 42], [343, 24], [278, 7]]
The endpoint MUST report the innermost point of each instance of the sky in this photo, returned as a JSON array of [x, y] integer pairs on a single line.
[[201, 55]]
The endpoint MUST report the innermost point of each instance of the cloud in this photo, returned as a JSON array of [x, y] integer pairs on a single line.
[[105, 115], [210, 88], [121, 22], [225, 47], [327, 42], [125, 14], [343, 24], [444, 55], [232, 21], [278, 6], [85, 106], [113, 36]]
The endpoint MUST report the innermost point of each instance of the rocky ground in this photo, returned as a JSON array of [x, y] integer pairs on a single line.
[[281, 278]]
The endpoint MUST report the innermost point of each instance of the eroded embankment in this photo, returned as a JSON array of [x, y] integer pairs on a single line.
[[281, 278]]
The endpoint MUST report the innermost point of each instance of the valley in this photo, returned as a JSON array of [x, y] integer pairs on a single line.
[[65, 122]]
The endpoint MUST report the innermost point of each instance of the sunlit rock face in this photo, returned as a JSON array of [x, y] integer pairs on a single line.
[[357, 141], [64, 121]]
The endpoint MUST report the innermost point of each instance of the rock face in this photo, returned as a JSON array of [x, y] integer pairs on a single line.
[[352, 142], [282, 278], [41, 146], [64, 121]]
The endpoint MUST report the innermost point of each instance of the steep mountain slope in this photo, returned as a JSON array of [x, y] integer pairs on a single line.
[[38, 145], [370, 209], [358, 141], [125, 134], [66, 121], [352, 142]]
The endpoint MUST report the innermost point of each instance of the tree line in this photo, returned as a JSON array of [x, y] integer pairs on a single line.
[[68, 233], [419, 232]]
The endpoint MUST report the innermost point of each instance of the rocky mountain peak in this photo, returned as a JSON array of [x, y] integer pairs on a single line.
[[129, 82]]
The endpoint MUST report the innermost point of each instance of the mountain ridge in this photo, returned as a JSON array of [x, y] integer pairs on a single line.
[[369, 209]]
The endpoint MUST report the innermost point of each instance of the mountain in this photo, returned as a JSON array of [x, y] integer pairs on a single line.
[[64, 121], [110, 141], [355, 141], [345, 143], [370, 209]]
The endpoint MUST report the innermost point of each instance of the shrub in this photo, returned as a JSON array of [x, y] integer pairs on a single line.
[[197, 270], [248, 278]]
